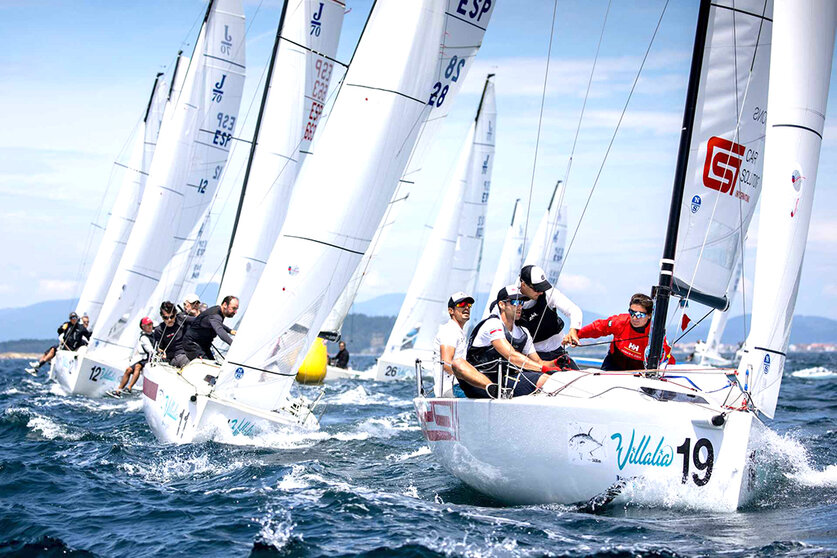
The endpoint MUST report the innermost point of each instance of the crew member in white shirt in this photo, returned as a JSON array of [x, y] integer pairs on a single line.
[[498, 341], [449, 345], [540, 316]]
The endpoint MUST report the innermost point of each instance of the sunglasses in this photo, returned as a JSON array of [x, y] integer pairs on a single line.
[[514, 301], [168, 317], [464, 304], [638, 315]]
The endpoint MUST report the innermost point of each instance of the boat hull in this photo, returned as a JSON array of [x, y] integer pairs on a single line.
[[541, 449], [401, 365], [78, 372], [180, 408]]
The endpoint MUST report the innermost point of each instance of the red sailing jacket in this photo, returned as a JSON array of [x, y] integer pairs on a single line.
[[626, 339]]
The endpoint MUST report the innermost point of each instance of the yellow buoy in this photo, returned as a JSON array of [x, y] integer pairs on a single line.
[[313, 369]]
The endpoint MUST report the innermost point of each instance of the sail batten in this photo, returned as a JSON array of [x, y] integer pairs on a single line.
[[360, 157]]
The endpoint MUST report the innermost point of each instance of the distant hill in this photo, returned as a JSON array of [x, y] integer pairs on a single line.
[[372, 319]]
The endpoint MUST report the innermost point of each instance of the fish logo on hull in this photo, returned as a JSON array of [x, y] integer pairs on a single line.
[[585, 447]]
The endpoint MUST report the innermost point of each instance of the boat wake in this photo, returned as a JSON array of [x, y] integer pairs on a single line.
[[359, 396], [40, 425]]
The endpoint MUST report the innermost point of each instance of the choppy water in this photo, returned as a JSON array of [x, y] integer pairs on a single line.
[[86, 477]]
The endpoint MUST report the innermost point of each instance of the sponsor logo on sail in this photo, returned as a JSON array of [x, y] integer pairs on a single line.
[[239, 372], [723, 161], [766, 364], [695, 204], [641, 452]]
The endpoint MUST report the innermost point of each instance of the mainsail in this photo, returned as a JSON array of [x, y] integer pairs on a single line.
[[412, 57], [726, 155], [803, 41], [449, 261], [191, 153], [511, 256], [547, 248], [125, 207], [296, 92]]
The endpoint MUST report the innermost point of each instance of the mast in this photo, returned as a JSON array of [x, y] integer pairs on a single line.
[[555, 191], [662, 291], [151, 97], [255, 134], [174, 73]]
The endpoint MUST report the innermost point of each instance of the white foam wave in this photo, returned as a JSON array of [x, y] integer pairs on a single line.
[[44, 426], [277, 529], [816, 372], [360, 396], [170, 470], [12, 391], [794, 460], [423, 450]]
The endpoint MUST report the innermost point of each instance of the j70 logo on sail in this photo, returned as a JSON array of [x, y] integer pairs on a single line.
[[723, 161]]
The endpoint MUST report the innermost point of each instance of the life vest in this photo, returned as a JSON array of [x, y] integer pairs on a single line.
[[542, 321], [487, 359]]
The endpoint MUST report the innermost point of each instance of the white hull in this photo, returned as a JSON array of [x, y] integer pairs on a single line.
[[401, 365], [599, 437], [88, 374], [181, 408]]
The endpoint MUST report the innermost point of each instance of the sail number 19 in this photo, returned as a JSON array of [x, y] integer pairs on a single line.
[[702, 457]]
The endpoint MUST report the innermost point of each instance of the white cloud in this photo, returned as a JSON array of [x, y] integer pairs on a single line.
[[573, 283], [830, 290]]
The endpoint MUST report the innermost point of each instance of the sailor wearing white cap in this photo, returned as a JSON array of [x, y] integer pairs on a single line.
[[449, 344], [540, 316]]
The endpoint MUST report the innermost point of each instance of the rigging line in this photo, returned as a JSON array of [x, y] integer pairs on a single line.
[[615, 131], [736, 137], [673, 343], [538, 135]]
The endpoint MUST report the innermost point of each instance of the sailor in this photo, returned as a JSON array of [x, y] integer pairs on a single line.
[[168, 335], [498, 340], [143, 352], [197, 341], [449, 347], [630, 335], [66, 334], [192, 305], [341, 359], [540, 316], [86, 331]]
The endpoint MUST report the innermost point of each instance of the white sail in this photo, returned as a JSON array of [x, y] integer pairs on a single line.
[[720, 317], [125, 207], [511, 256], [412, 175], [550, 239], [412, 57], [449, 260], [294, 100], [803, 44], [191, 153], [727, 149]]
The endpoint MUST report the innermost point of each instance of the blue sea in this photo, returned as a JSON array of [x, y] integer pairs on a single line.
[[82, 477]]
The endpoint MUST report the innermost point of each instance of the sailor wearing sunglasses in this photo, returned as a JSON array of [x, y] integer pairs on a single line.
[[630, 335], [449, 346], [497, 340]]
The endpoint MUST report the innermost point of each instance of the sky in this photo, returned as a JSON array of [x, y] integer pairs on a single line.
[[77, 77]]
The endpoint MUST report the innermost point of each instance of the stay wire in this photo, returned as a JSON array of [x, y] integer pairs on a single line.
[[538, 135], [615, 131]]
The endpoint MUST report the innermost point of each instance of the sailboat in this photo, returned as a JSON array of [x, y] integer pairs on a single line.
[[590, 436], [411, 58], [192, 150], [450, 260], [511, 255], [708, 352]]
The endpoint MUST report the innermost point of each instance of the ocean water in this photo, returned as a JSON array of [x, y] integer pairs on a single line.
[[85, 477]]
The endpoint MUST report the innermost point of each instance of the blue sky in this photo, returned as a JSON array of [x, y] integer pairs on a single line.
[[77, 76]]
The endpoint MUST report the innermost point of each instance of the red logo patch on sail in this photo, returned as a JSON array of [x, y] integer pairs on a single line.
[[723, 161], [439, 422]]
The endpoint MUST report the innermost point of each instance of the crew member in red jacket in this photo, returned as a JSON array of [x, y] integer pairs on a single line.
[[630, 335]]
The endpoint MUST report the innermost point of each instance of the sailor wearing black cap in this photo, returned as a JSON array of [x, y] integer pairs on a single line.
[[540, 314], [497, 340]]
